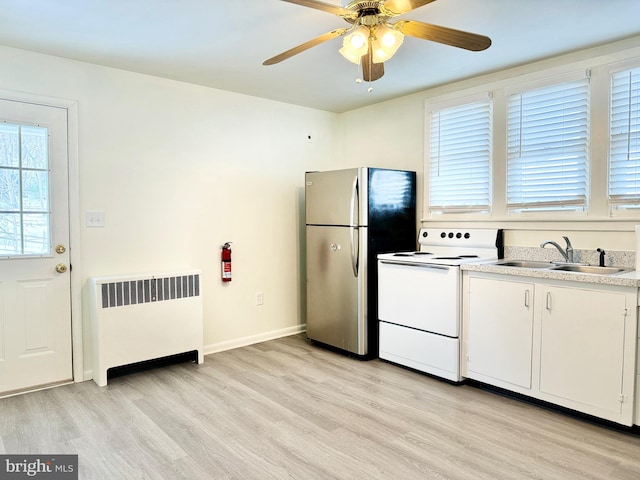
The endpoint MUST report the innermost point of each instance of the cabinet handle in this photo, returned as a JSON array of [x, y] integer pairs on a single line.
[[526, 298], [549, 301]]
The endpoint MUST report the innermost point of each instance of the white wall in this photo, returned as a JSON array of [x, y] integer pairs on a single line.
[[395, 129], [179, 170], [387, 135]]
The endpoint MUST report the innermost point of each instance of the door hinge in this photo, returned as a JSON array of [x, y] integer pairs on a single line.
[[621, 398]]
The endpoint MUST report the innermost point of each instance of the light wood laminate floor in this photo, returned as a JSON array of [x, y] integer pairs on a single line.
[[285, 409]]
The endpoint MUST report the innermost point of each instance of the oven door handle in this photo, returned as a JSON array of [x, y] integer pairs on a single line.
[[421, 265]]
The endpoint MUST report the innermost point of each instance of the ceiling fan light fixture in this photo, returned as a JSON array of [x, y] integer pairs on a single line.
[[386, 43], [371, 39], [355, 45]]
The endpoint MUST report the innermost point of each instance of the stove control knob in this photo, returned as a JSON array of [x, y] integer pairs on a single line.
[[450, 234], [443, 235], [467, 235], [458, 235]]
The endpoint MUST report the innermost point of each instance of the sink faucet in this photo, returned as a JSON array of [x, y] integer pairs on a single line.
[[566, 254]]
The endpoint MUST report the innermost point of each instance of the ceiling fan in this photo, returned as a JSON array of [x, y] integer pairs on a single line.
[[372, 39]]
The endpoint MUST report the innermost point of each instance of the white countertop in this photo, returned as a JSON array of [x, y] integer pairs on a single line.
[[627, 279]]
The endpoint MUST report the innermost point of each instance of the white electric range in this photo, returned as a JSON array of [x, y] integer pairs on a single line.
[[420, 298]]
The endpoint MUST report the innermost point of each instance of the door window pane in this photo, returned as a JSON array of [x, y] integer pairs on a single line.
[[9, 145], [34, 142], [24, 190], [9, 190], [35, 191], [36, 233], [10, 234]]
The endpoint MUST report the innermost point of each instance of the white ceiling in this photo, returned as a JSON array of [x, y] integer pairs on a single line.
[[222, 43]]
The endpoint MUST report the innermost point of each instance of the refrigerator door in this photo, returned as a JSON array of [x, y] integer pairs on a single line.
[[336, 298], [332, 198], [391, 199]]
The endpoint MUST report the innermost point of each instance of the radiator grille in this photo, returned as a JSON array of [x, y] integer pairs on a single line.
[[132, 292]]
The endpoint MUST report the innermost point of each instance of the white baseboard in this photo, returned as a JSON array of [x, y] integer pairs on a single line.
[[236, 343], [250, 340]]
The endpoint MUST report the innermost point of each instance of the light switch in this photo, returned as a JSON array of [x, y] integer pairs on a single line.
[[94, 219]]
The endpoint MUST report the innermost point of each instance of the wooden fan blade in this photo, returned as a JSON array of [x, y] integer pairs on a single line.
[[448, 36], [305, 46], [398, 7], [325, 7], [371, 71]]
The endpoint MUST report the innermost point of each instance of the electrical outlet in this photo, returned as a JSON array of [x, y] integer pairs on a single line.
[[259, 298]]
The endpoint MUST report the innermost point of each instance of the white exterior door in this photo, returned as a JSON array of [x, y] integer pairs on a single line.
[[35, 283]]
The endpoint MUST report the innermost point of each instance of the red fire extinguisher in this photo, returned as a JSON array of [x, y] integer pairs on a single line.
[[226, 262]]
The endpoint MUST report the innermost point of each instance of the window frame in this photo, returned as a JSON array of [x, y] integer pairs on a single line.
[[547, 208], [20, 210], [440, 105], [617, 210], [598, 216]]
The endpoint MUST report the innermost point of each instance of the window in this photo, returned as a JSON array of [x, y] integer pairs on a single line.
[[24, 190], [624, 140], [460, 149], [547, 147]]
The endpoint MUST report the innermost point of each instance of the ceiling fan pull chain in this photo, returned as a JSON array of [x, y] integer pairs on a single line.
[[359, 69]]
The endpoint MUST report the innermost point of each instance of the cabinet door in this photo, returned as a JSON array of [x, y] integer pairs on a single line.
[[499, 331], [581, 349]]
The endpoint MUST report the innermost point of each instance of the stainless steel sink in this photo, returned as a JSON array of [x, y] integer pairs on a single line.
[[591, 269], [524, 264]]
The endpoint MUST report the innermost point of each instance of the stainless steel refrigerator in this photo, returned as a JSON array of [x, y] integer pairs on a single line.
[[351, 216]]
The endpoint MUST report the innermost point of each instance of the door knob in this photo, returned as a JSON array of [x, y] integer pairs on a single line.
[[60, 249], [61, 268]]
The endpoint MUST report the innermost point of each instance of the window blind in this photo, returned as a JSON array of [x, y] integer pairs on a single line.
[[460, 158], [547, 147], [624, 139]]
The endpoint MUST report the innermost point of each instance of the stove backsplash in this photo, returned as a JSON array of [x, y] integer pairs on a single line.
[[618, 258]]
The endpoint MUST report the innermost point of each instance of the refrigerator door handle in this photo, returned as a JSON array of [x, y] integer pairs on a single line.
[[353, 226], [354, 249]]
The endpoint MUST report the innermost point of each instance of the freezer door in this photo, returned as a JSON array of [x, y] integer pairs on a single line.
[[331, 198], [336, 298]]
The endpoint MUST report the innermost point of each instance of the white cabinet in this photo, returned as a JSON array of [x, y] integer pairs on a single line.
[[499, 332], [637, 413], [572, 344], [637, 409], [582, 336]]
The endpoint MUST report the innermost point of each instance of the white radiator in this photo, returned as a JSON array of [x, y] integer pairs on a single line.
[[144, 317]]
